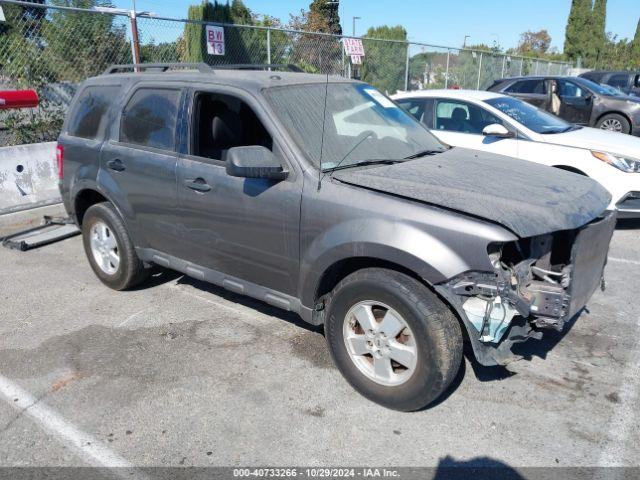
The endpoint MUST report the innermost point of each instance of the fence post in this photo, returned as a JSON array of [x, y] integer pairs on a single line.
[[479, 71], [446, 75], [269, 46], [521, 65], [504, 60], [406, 69], [135, 41]]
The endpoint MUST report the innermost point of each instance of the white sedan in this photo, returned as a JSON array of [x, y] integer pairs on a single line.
[[505, 125]]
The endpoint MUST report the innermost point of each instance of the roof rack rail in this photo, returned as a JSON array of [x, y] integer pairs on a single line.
[[260, 66], [163, 67]]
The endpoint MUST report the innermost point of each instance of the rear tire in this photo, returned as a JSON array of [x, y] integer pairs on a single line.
[[413, 350], [109, 249], [614, 123]]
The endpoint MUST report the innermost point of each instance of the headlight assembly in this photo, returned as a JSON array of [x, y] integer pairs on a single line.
[[625, 164]]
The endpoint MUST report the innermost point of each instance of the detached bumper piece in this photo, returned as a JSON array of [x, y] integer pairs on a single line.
[[52, 230], [629, 206], [538, 283]]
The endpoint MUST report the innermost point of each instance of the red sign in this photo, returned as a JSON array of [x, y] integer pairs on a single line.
[[353, 46]]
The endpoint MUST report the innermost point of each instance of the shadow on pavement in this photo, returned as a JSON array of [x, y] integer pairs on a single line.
[[628, 224], [478, 468]]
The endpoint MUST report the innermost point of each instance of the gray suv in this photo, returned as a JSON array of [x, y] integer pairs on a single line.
[[321, 196]]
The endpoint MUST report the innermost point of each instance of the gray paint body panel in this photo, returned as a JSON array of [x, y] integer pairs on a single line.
[[526, 198]]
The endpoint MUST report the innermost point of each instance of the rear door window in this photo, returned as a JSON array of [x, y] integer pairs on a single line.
[[463, 117], [150, 117], [528, 86], [89, 116]]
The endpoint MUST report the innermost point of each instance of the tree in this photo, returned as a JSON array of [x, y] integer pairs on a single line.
[[534, 44], [635, 47], [384, 62], [577, 42], [237, 40], [325, 17], [598, 35], [80, 45]]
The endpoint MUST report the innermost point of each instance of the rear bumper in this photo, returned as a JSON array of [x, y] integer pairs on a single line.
[[629, 206]]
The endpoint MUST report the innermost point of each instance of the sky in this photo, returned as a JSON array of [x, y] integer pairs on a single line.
[[436, 22]]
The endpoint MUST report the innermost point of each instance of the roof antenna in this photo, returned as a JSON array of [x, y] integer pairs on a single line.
[[324, 119]]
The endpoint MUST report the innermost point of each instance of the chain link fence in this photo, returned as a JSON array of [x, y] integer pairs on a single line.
[[53, 49]]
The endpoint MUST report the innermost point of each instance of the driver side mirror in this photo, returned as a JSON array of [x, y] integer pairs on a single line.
[[497, 130], [254, 162]]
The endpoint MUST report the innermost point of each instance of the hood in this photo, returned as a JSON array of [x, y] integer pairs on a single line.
[[596, 139], [526, 198]]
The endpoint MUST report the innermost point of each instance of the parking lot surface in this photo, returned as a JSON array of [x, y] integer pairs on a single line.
[[181, 373]]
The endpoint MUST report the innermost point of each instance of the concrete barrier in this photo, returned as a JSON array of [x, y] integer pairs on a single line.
[[28, 177]]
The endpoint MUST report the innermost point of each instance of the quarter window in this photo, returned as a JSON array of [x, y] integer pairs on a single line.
[[149, 119], [89, 116]]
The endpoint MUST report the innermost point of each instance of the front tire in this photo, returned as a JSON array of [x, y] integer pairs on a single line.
[[109, 249], [614, 123], [392, 338]]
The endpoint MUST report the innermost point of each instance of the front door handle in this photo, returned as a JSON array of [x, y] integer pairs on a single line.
[[199, 185], [116, 164]]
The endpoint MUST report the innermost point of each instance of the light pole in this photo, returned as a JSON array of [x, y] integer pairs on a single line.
[[354, 25]]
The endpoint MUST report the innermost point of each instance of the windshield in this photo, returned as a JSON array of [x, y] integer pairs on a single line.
[[362, 125], [531, 117], [612, 90]]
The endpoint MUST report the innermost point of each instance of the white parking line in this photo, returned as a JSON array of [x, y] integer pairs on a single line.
[[92, 450], [624, 260]]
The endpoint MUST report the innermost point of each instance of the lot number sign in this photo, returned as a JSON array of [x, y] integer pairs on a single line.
[[215, 40]]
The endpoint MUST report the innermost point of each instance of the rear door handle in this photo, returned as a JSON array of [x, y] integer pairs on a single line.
[[116, 164], [199, 185]]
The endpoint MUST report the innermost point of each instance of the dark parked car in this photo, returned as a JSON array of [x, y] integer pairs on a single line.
[[323, 197], [626, 82], [583, 102]]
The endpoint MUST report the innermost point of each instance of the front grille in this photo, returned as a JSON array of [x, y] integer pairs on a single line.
[[588, 257]]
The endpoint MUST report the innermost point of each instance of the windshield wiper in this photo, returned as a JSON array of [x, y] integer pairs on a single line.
[[423, 153], [363, 163]]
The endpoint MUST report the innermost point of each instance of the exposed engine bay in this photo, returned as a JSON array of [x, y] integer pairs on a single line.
[[537, 283]]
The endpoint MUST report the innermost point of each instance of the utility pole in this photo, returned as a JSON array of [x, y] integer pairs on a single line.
[[354, 25], [135, 39]]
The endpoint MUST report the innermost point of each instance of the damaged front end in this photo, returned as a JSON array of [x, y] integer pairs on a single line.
[[537, 283]]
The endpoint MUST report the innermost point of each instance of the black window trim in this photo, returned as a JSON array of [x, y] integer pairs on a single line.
[[146, 86]]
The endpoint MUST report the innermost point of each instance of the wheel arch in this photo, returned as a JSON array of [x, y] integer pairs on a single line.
[[339, 270], [568, 168], [614, 112]]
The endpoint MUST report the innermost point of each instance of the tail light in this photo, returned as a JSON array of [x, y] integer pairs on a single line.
[[60, 160]]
